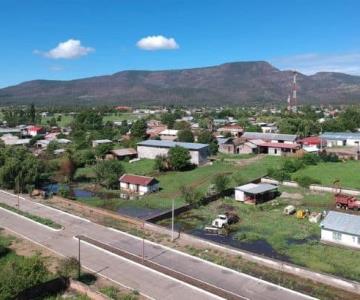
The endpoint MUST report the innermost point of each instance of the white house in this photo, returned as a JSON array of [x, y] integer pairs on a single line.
[[138, 184], [341, 228], [152, 148]]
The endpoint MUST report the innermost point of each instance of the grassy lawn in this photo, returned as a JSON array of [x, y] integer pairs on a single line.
[[347, 172], [65, 120], [120, 117], [298, 239], [170, 182]]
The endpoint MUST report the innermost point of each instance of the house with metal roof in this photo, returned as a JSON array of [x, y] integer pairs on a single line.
[[255, 193], [334, 139], [152, 148], [271, 137], [341, 228], [138, 184], [168, 134]]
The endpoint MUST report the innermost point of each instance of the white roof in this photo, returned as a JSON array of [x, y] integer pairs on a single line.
[[169, 132], [102, 141], [256, 188]]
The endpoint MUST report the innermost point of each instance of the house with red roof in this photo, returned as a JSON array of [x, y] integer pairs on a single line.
[[35, 130], [138, 184]]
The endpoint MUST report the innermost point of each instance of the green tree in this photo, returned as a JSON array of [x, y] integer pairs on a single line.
[[161, 163], [206, 137], [32, 113], [168, 119], [190, 195], [108, 172], [185, 136], [221, 182], [67, 168], [18, 275], [179, 158], [102, 149], [88, 120], [138, 129]]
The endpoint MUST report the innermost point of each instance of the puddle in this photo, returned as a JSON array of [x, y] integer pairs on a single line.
[[261, 247]]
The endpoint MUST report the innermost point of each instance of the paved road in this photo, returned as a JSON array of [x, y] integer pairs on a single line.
[[150, 283]]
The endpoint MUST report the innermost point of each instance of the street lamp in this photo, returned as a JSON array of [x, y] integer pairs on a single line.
[[79, 264]]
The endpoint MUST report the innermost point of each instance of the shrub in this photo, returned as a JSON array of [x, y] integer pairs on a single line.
[[69, 267], [310, 159], [221, 182], [306, 181], [190, 195]]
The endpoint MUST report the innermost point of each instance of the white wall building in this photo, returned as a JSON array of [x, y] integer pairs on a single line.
[[138, 184], [341, 228], [334, 139], [152, 148]]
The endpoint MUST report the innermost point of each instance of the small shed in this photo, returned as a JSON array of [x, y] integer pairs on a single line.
[[123, 153], [96, 143], [256, 193], [138, 184], [341, 228]]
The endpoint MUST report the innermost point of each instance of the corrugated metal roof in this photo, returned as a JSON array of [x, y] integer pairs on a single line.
[[341, 135], [253, 188], [270, 136], [342, 222], [124, 151], [137, 179], [171, 144]]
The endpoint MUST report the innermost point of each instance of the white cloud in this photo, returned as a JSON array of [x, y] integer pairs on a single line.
[[157, 42], [69, 49], [311, 63]]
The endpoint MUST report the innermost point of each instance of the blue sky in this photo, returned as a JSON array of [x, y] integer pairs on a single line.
[[107, 36]]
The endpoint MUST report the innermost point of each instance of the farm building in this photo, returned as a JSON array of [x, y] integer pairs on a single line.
[[341, 228], [138, 184], [233, 129], [278, 149], [334, 139], [152, 148], [271, 137], [96, 143], [168, 134], [123, 153], [35, 130], [256, 193]]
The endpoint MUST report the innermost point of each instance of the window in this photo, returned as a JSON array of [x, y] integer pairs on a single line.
[[336, 236]]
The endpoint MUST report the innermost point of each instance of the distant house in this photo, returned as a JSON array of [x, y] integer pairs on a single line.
[[35, 130], [268, 127], [42, 144], [255, 193], [96, 143], [271, 137], [334, 139], [233, 129], [236, 146], [273, 143], [341, 228], [138, 184], [13, 140], [13, 131], [152, 148], [123, 153], [168, 134]]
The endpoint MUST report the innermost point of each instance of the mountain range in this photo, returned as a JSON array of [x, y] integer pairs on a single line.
[[237, 83]]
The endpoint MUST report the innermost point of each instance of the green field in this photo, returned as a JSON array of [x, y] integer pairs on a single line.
[[347, 172], [65, 120], [170, 182], [297, 239]]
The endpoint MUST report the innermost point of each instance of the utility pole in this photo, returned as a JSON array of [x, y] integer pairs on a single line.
[[79, 264], [172, 220], [143, 243]]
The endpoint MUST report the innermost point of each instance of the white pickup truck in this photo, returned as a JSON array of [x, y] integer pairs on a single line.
[[220, 221]]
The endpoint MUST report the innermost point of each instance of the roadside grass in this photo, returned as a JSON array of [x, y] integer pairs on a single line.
[[298, 239], [35, 218], [347, 172]]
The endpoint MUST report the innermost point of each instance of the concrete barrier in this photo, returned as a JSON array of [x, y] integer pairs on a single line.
[[320, 188]]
